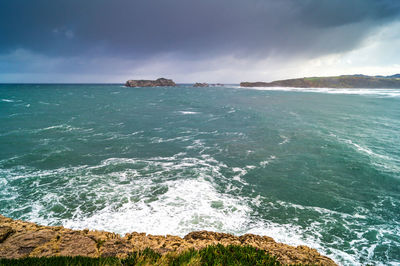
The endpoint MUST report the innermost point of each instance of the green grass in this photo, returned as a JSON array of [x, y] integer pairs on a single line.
[[235, 255], [211, 255], [313, 79]]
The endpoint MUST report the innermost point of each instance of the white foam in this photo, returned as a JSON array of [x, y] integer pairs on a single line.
[[182, 205], [7, 100], [366, 150], [186, 206], [188, 112], [284, 141], [382, 161], [239, 173], [266, 162], [155, 195], [196, 144], [62, 127], [366, 91], [175, 195], [45, 103], [162, 140]]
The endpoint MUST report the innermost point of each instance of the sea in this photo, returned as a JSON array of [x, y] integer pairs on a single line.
[[315, 167]]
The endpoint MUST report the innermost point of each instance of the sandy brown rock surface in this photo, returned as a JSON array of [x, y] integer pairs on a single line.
[[20, 239]]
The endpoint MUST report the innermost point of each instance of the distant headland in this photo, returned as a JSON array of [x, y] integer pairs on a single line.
[[345, 81]]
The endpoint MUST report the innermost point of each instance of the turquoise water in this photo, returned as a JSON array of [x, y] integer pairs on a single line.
[[320, 168]]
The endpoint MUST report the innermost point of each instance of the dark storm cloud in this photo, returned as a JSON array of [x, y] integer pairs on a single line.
[[137, 29]]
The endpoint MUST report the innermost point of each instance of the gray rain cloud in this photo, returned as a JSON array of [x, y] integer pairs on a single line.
[[115, 37]]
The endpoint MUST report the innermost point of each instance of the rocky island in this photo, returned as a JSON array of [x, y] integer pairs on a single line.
[[198, 84], [161, 82], [345, 81], [19, 239]]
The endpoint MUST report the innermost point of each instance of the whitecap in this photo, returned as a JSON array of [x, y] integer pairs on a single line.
[[239, 173], [7, 100], [382, 161], [284, 141], [266, 162], [188, 112], [62, 127]]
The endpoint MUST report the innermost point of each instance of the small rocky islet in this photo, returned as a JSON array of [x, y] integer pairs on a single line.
[[198, 84], [161, 82], [204, 84], [20, 239]]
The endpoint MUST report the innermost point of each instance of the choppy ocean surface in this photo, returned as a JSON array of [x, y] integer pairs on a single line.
[[316, 167]]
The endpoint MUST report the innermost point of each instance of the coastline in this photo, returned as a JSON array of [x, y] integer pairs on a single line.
[[344, 82], [20, 239]]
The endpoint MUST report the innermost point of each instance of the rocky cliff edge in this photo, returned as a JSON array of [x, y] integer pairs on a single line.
[[20, 239]]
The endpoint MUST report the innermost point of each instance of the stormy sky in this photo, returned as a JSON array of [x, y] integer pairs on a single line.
[[205, 40]]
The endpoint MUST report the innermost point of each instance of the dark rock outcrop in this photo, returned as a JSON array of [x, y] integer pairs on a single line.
[[161, 82], [349, 81], [200, 84], [21, 239], [5, 231]]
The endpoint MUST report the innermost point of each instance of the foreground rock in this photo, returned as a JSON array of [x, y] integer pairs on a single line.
[[161, 82], [200, 84], [349, 81], [20, 239]]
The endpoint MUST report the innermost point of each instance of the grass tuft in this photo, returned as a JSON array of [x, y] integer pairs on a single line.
[[211, 255]]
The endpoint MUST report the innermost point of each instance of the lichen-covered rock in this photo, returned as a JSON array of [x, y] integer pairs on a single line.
[[161, 82], [23, 239], [22, 244]]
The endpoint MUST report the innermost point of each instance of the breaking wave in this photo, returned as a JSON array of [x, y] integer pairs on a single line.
[[373, 92]]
